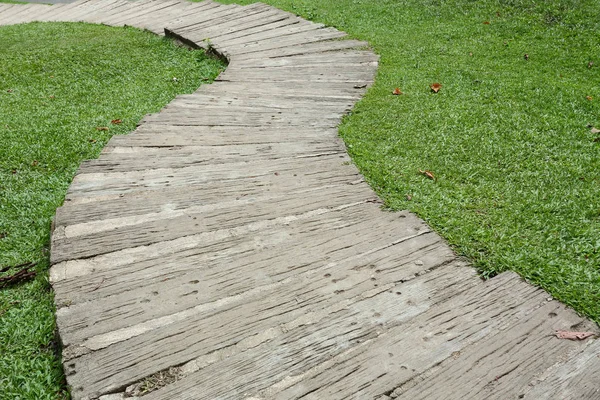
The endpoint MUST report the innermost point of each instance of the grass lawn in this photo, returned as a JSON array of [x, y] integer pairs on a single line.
[[507, 136], [58, 84]]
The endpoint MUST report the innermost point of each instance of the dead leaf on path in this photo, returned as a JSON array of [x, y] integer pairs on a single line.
[[360, 86], [574, 335], [397, 92], [589, 98], [102, 128], [486, 22], [116, 121], [435, 87], [428, 174]]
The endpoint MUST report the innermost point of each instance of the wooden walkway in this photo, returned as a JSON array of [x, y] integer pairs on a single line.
[[228, 249]]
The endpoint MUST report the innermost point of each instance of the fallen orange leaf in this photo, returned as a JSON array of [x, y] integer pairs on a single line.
[[428, 174], [435, 87], [486, 22], [116, 121], [589, 98], [574, 335], [397, 92]]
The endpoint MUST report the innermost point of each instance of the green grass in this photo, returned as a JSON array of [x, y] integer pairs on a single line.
[[58, 83], [518, 171]]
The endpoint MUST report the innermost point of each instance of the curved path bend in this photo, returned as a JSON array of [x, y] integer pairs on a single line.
[[228, 249]]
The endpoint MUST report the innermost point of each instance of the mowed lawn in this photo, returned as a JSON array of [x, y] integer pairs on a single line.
[[508, 137], [61, 85]]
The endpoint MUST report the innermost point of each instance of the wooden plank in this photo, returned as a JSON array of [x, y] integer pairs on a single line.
[[574, 379], [358, 340], [203, 17], [63, 10], [272, 316], [32, 14], [504, 364], [93, 9], [351, 57], [21, 13], [244, 26], [311, 48], [293, 26], [148, 135], [115, 303], [136, 159], [116, 10], [215, 192], [137, 13], [171, 225]]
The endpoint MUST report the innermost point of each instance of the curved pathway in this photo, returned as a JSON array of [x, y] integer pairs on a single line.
[[228, 248]]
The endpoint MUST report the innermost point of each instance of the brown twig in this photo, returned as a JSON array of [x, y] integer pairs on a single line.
[[21, 276]]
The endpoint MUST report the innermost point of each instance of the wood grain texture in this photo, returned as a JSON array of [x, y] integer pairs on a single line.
[[230, 244]]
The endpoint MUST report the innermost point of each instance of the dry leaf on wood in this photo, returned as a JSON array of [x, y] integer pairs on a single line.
[[574, 335]]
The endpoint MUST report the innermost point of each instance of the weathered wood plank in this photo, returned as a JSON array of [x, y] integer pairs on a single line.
[[136, 159], [245, 25], [149, 135], [309, 48], [171, 225], [275, 30], [503, 365], [575, 379], [23, 13], [267, 318], [341, 359], [269, 257], [121, 208]]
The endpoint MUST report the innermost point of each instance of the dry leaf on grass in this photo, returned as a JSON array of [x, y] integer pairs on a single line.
[[428, 174], [589, 98], [116, 121], [102, 128], [594, 130], [397, 92], [574, 335], [486, 22], [435, 87]]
